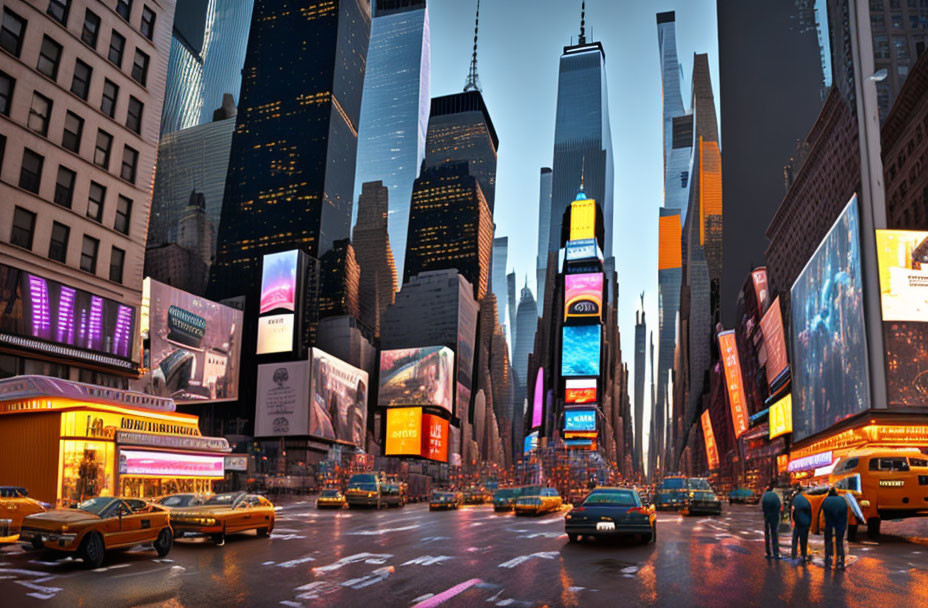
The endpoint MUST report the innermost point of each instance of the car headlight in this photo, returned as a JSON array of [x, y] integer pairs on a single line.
[[67, 538]]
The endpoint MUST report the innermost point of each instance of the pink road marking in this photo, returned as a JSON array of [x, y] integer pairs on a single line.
[[444, 596]]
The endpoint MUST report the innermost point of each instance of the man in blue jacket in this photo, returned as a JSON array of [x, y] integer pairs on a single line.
[[802, 519], [770, 503], [835, 509]]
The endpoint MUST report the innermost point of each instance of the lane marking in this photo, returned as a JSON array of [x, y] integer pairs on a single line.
[[383, 531], [437, 600], [39, 588], [296, 562], [373, 578], [524, 558], [428, 560], [368, 558]]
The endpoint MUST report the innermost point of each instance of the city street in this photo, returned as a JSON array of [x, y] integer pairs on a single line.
[[472, 557]]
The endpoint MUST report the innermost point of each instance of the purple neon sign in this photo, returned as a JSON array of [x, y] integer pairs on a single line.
[[810, 463]]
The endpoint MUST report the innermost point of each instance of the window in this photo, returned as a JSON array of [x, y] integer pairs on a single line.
[[123, 214], [95, 201], [684, 178], [58, 245], [12, 32], [91, 30], [64, 186], [878, 21], [59, 9], [918, 462], [49, 57], [89, 254], [73, 129], [134, 117], [101, 153], [130, 160], [148, 23], [902, 48], [876, 5], [7, 84], [124, 8], [110, 93], [117, 46], [39, 113], [23, 228], [897, 22], [140, 67], [881, 47], [117, 260], [80, 84], [31, 172], [3, 150]]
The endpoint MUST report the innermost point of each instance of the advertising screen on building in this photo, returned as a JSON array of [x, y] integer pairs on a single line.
[[404, 432], [829, 370], [583, 219], [194, 346], [580, 347], [781, 417], [275, 334], [538, 399], [580, 390], [761, 294], [729, 353], [417, 376], [170, 464], [712, 450], [339, 400], [530, 443], [282, 401], [669, 252], [278, 281], [583, 249], [434, 438], [583, 295], [47, 316], [903, 260], [580, 420], [771, 326]]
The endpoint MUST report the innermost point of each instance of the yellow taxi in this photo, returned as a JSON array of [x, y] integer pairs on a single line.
[[330, 498], [224, 514], [546, 500], [15, 505]]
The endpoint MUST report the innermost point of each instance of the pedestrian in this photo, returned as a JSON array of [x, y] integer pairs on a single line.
[[835, 509], [801, 513], [771, 506]]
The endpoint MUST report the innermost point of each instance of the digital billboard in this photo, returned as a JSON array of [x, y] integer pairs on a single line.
[[434, 438], [582, 249], [829, 370], [170, 464], [780, 417], [412, 433], [339, 400], [275, 334], [583, 295], [193, 346], [771, 326], [580, 346], [530, 443], [761, 293], [729, 353], [712, 450], [583, 219], [580, 420], [417, 376], [906, 344], [278, 281], [580, 390], [47, 316], [282, 403], [669, 251], [903, 260], [538, 401]]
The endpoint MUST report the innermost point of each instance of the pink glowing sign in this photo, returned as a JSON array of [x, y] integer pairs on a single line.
[[278, 281], [538, 405], [169, 464]]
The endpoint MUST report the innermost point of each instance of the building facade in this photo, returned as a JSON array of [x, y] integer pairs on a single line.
[[498, 278], [544, 221], [371, 239], [641, 348]]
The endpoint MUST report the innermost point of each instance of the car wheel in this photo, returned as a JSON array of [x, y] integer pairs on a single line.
[[219, 539], [265, 532], [92, 550], [573, 538], [873, 528], [165, 540]]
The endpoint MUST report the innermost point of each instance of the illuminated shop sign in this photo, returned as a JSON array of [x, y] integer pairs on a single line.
[[209, 444], [761, 293], [275, 334], [52, 392], [580, 390], [580, 420], [712, 451], [168, 464], [781, 417], [903, 262], [810, 463], [412, 433]]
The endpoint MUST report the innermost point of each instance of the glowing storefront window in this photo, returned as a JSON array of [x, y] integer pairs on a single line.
[[87, 469]]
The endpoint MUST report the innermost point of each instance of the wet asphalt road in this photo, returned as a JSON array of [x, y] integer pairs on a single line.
[[472, 557]]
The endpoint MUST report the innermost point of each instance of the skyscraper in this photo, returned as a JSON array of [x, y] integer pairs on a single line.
[[395, 107], [498, 279], [526, 322], [640, 352], [513, 306], [339, 282], [371, 240], [544, 220]]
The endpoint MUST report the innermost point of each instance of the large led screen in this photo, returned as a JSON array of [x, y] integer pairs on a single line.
[[580, 420], [282, 404], [780, 417], [771, 326], [48, 316], [278, 281], [712, 450], [583, 295], [434, 438], [830, 373], [903, 261], [193, 346], [339, 400], [417, 376], [170, 464], [732, 364], [906, 344], [580, 347], [530, 442], [582, 219], [538, 400], [275, 334], [580, 390], [404, 432]]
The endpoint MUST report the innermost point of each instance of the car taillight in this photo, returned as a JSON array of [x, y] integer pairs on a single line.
[[638, 510], [578, 509]]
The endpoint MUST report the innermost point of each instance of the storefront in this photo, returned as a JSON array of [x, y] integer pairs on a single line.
[[66, 441]]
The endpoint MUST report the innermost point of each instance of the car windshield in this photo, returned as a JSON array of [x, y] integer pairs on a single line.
[[504, 494], [223, 499], [179, 500], [616, 498], [329, 494], [8, 492], [97, 505], [698, 484], [441, 495], [672, 484], [530, 491], [363, 482]]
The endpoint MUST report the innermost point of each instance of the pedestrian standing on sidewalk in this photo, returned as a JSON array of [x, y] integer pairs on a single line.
[[770, 503], [801, 513], [835, 509]]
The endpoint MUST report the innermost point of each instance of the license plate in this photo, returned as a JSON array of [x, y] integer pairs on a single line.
[[605, 526]]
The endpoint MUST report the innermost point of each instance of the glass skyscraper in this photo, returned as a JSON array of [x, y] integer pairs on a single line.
[[544, 218], [498, 278], [395, 108]]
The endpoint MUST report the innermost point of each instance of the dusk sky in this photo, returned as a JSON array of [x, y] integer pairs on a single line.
[[520, 43]]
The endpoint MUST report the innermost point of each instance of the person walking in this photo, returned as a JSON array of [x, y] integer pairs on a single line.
[[835, 509], [770, 503], [801, 514]]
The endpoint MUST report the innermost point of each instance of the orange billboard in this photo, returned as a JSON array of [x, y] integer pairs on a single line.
[[771, 326], [404, 432], [669, 253], [434, 438], [732, 364], [712, 450]]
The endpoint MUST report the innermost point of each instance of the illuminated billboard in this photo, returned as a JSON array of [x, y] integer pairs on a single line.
[[712, 450], [417, 376], [65, 322], [583, 219], [170, 464], [339, 400], [580, 390], [412, 433], [903, 262], [580, 348], [582, 249], [275, 334], [434, 438], [771, 326], [761, 293], [829, 370], [538, 401], [729, 353], [580, 420], [282, 403], [193, 346], [906, 345], [583, 295], [670, 232], [278, 281], [530, 443], [781, 417]]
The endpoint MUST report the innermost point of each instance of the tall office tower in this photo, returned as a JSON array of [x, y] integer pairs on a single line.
[[78, 169], [450, 226], [207, 54], [640, 352], [653, 393], [669, 280], [371, 240], [291, 170], [526, 322], [395, 107], [498, 279], [339, 282], [512, 306], [708, 169], [544, 219], [184, 262], [777, 40]]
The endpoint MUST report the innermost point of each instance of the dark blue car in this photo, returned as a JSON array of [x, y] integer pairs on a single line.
[[611, 512]]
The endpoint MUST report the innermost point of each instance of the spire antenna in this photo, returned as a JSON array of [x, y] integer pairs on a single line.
[[473, 81], [582, 171], [582, 39]]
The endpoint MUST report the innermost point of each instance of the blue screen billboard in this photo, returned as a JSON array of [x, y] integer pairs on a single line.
[[580, 420], [580, 348]]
